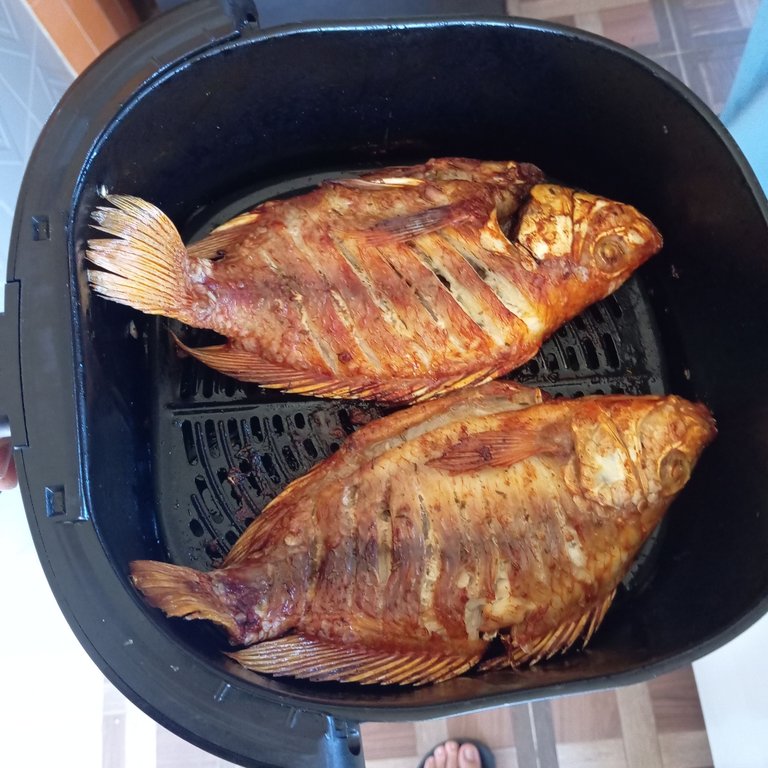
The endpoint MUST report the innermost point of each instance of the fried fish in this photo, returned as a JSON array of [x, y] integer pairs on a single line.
[[491, 518], [396, 286]]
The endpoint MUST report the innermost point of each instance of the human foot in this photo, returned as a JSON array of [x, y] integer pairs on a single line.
[[451, 755]]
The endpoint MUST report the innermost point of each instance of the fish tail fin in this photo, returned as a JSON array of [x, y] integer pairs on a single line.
[[183, 592], [146, 265]]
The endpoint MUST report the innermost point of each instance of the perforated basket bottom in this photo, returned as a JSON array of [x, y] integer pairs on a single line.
[[224, 449]]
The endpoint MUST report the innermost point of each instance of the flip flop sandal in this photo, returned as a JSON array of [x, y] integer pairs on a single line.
[[487, 759]]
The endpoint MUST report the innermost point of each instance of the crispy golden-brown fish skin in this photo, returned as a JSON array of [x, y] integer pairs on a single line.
[[490, 512], [398, 286]]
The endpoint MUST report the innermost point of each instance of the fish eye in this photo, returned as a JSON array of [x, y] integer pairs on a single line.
[[674, 471], [609, 252]]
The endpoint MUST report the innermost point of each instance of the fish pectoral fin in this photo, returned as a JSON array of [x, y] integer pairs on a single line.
[[327, 660], [398, 229], [385, 182], [494, 448]]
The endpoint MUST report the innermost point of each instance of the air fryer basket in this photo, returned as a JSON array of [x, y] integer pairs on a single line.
[[128, 450]]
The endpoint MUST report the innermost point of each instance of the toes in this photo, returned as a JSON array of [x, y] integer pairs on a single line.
[[469, 757], [430, 762], [451, 754], [439, 757]]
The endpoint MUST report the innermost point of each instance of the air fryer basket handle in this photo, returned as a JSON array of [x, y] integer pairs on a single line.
[[11, 410], [272, 13], [343, 745]]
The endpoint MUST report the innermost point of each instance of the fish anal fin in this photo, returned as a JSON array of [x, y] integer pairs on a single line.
[[244, 365], [562, 637], [497, 448], [320, 659]]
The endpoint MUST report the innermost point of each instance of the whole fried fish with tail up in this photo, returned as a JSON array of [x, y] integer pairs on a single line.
[[395, 286], [431, 534]]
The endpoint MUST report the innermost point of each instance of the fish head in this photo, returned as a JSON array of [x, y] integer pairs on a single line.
[[673, 435], [637, 452], [598, 240], [610, 239]]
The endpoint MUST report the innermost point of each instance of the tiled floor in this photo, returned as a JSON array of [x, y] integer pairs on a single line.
[[698, 41], [653, 725]]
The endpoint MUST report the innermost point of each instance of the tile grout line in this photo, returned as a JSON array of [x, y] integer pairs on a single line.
[[638, 727], [44, 30], [676, 43], [524, 736], [544, 731], [30, 89]]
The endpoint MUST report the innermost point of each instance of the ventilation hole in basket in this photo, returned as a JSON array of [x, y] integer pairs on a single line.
[[578, 393], [533, 367], [290, 459], [612, 356], [196, 527], [590, 354], [188, 385], [599, 392], [200, 484], [211, 438], [346, 421], [614, 307], [309, 447], [299, 421], [213, 550], [578, 321], [234, 434], [254, 483], [571, 359], [216, 516], [551, 362], [597, 315], [256, 432], [189, 442], [231, 537], [222, 474], [334, 447], [248, 520], [208, 384], [277, 424], [270, 469], [615, 390], [229, 387]]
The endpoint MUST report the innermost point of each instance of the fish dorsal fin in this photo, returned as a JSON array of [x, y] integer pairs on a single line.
[[328, 660], [216, 245], [398, 229], [500, 448]]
